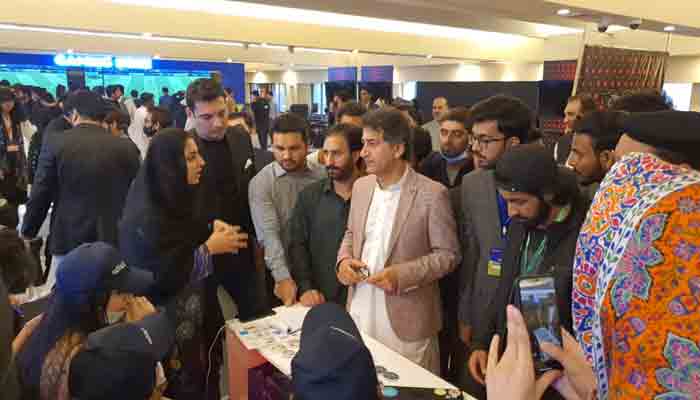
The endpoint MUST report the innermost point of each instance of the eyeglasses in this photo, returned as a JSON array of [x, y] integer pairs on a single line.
[[483, 142]]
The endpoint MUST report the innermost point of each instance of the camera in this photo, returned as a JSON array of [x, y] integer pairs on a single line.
[[604, 24], [635, 24]]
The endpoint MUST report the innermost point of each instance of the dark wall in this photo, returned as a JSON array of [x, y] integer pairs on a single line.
[[469, 93]]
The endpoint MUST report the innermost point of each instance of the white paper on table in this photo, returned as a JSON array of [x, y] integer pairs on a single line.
[[292, 317]]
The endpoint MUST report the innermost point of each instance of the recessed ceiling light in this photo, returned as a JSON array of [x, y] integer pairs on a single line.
[[147, 34], [264, 44], [429, 56], [291, 65], [70, 51], [156, 57], [356, 51], [228, 60], [670, 28], [564, 12]]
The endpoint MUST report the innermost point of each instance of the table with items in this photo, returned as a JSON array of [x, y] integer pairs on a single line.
[[275, 339]]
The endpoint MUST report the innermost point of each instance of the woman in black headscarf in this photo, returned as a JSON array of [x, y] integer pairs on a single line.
[[160, 233]]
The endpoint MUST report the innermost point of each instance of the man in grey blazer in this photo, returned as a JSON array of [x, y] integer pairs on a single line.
[[499, 123], [401, 239]]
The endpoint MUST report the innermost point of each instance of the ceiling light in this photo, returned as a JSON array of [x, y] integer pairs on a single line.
[[291, 65], [564, 12], [328, 51], [228, 60], [429, 56], [70, 51], [670, 28], [322, 18], [156, 57], [115, 35], [264, 44], [356, 51], [147, 34]]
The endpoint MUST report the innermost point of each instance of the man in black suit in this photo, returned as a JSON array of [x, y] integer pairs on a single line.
[[85, 172], [223, 189]]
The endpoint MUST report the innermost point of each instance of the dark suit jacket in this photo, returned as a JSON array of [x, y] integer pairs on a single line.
[[435, 168], [559, 254], [86, 173], [238, 276], [481, 227]]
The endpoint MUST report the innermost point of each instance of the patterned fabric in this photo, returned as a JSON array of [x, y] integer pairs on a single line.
[[56, 368], [637, 281]]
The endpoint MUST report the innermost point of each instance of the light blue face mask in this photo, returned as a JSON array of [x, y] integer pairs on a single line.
[[454, 160], [114, 317]]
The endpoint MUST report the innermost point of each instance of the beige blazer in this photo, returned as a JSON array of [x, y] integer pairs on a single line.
[[423, 246]]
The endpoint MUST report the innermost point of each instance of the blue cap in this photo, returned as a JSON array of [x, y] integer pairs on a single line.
[[97, 267]]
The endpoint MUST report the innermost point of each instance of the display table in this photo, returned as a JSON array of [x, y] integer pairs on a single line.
[[280, 351]]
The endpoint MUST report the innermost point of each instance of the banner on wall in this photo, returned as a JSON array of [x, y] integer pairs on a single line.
[[383, 73], [608, 72], [342, 74]]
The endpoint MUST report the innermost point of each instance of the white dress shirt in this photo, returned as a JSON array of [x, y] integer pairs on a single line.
[[368, 306], [136, 131]]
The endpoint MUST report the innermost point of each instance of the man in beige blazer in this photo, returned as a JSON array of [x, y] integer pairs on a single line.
[[401, 239]]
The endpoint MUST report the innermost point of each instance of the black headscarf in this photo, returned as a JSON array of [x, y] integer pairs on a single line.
[[159, 231]]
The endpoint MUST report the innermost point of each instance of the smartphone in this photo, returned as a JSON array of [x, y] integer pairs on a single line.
[[538, 304]]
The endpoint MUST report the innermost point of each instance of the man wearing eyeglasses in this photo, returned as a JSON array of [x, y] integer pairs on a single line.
[[498, 124], [223, 190]]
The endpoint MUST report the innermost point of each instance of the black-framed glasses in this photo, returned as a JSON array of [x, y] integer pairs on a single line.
[[483, 141]]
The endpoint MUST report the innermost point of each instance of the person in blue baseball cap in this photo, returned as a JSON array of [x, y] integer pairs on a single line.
[[92, 284]]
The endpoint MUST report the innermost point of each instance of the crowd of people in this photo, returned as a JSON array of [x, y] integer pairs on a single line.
[[415, 236]]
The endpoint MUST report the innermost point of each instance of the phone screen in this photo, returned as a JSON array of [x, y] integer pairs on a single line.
[[538, 304]]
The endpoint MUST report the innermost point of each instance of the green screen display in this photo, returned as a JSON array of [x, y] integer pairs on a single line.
[[151, 81]]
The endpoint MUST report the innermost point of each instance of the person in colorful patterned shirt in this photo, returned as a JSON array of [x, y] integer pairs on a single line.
[[636, 289]]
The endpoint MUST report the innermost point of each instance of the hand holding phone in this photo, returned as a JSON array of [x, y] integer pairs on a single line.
[[538, 304]]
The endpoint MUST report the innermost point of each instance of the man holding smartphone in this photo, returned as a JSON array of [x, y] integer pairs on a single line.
[[547, 211]]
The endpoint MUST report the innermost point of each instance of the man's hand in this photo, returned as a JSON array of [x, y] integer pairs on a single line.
[[138, 308], [513, 376], [312, 298], [286, 290], [387, 280], [349, 272], [477, 365], [578, 381]]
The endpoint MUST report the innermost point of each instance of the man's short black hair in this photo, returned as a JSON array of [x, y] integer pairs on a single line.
[[587, 102], [113, 88], [291, 123], [120, 117], [513, 117], [457, 114], [394, 127], [203, 90], [160, 116], [351, 109], [134, 93], [343, 95], [351, 133], [88, 104], [166, 90], [603, 127], [5, 83], [422, 144], [147, 97], [246, 116], [642, 101]]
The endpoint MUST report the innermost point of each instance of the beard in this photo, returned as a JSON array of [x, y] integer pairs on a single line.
[[539, 219], [339, 174]]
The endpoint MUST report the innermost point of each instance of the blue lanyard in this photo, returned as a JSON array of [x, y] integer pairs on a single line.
[[503, 214]]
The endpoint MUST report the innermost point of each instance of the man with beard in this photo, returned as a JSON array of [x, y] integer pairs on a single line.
[[452, 161], [320, 217], [273, 194], [593, 148], [499, 123], [547, 210]]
